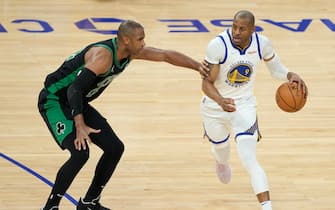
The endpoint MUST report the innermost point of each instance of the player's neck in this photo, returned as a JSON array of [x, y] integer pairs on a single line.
[[122, 51], [242, 46]]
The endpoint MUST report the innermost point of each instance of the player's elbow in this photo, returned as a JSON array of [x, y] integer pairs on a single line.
[[72, 91]]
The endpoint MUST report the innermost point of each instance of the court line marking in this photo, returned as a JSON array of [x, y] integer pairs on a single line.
[[35, 174]]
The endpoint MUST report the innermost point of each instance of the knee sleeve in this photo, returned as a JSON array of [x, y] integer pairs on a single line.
[[246, 147], [109, 143]]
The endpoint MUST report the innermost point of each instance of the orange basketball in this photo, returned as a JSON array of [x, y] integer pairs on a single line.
[[289, 99]]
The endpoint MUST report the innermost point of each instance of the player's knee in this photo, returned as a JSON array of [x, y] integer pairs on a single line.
[[115, 149], [246, 146], [80, 157], [221, 150], [109, 143], [119, 148]]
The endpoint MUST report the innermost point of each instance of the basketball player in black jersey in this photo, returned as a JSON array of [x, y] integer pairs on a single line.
[[73, 122]]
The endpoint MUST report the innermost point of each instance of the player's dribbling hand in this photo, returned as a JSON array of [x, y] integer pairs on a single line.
[[295, 78], [227, 104]]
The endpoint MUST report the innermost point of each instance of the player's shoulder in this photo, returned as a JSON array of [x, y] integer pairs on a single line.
[[223, 36], [218, 40], [262, 38]]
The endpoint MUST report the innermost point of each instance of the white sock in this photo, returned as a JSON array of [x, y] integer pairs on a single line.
[[266, 205]]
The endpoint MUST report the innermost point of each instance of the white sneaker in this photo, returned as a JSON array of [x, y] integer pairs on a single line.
[[223, 171]]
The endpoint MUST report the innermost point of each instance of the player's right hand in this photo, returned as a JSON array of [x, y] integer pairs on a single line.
[[82, 133], [82, 136], [227, 104]]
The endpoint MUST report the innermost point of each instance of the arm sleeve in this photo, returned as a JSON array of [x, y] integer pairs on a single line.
[[215, 52], [272, 60], [267, 49], [80, 85], [277, 69]]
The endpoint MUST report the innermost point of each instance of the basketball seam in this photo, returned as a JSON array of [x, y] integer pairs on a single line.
[[282, 99], [294, 99]]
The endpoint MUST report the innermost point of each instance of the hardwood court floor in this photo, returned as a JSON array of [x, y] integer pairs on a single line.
[[154, 107]]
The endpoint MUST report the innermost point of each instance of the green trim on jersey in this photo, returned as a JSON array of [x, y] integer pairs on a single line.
[[105, 46], [73, 55], [60, 125], [114, 56], [66, 81]]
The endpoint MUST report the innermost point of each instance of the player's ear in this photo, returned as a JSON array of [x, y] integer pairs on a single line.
[[125, 40]]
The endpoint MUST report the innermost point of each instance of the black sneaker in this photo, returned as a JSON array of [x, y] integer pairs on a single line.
[[52, 208], [82, 205]]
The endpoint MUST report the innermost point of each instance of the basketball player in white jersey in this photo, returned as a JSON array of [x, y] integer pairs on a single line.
[[229, 107]]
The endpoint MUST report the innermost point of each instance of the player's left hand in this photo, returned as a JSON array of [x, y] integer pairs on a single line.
[[295, 78]]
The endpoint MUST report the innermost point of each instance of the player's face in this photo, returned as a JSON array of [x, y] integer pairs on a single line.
[[137, 41], [242, 30]]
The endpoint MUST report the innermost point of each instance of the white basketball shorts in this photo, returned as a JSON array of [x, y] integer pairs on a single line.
[[219, 124]]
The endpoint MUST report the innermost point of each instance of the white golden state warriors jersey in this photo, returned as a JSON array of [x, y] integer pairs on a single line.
[[237, 67]]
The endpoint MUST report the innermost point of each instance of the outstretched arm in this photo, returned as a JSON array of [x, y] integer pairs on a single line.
[[174, 58]]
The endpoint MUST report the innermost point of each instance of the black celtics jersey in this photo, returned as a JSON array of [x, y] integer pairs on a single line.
[[58, 82]]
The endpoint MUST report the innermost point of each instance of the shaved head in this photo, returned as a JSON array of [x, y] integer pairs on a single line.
[[130, 37], [245, 14], [127, 28]]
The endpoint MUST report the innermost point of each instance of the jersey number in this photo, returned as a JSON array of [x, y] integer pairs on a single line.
[[101, 84]]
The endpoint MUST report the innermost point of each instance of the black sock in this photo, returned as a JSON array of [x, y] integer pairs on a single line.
[[94, 195], [103, 172], [53, 200]]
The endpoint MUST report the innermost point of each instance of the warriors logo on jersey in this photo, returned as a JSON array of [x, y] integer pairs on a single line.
[[239, 74]]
